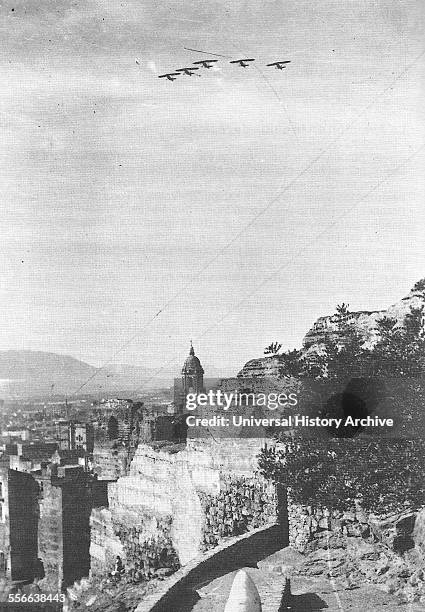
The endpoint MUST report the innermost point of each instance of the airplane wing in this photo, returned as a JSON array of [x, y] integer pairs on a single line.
[[279, 63], [205, 61], [242, 60], [161, 76]]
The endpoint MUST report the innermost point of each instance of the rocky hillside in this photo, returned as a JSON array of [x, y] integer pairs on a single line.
[[326, 326], [354, 549], [365, 320]]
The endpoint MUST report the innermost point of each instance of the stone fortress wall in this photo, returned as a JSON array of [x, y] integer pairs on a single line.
[[176, 502], [179, 504]]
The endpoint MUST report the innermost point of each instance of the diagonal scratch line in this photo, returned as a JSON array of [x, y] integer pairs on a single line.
[[299, 252], [250, 223], [206, 52], [280, 100], [291, 124], [318, 236]]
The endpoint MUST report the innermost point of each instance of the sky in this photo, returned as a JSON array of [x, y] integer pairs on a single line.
[[232, 208]]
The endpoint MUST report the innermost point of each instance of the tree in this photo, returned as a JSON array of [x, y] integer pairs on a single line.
[[273, 348], [291, 363], [342, 352], [400, 350], [420, 285], [384, 475]]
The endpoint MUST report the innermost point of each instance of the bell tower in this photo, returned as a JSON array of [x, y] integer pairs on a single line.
[[192, 374]]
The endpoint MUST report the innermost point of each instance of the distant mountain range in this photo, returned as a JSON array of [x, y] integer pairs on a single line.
[[40, 374]]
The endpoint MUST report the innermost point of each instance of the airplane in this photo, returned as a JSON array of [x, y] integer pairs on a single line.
[[187, 71], [206, 63], [242, 62], [169, 76], [280, 65]]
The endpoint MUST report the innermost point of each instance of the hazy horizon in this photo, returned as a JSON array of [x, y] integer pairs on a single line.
[[118, 188]]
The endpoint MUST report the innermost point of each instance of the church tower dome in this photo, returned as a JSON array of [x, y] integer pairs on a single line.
[[192, 374], [192, 365]]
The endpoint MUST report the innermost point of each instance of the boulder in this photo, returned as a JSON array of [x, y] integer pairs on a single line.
[[286, 558]]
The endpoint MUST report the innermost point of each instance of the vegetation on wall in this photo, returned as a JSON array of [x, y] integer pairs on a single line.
[[242, 505], [147, 556]]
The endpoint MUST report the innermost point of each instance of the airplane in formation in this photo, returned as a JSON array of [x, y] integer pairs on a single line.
[[242, 62], [169, 76], [206, 63], [188, 71], [280, 65]]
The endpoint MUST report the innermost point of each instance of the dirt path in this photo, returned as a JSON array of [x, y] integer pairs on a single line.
[[308, 595]]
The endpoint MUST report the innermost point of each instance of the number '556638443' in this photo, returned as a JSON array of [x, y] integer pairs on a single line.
[[36, 597]]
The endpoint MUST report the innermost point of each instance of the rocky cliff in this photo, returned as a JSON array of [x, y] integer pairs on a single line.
[[268, 367], [365, 320]]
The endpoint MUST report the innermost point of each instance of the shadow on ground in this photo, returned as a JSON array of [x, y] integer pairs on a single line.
[[307, 602], [246, 553]]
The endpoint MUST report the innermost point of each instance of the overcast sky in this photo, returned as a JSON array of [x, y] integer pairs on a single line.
[[117, 187]]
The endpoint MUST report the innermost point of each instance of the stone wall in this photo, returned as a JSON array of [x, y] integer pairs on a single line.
[[4, 523], [50, 538], [234, 456], [355, 548], [241, 505], [399, 531], [105, 544], [65, 505], [148, 548], [23, 524], [110, 460], [307, 523], [233, 553], [179, 500], [76, 509]]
